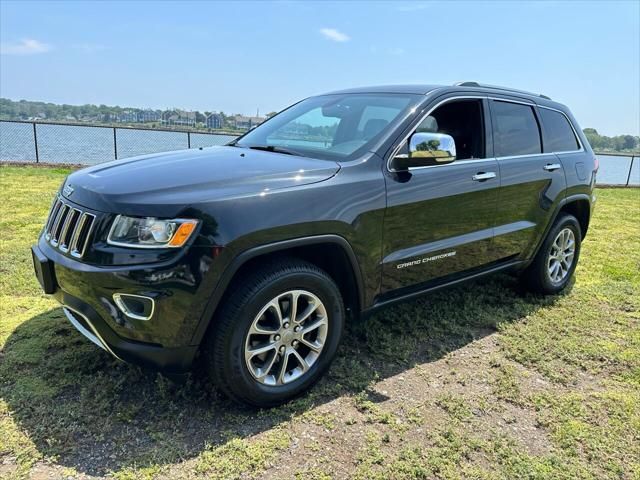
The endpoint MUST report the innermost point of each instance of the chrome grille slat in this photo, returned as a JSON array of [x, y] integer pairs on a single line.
[[73, 245], [52, 216], [69, 224], [83, 239], [69, 228], [55, 231]]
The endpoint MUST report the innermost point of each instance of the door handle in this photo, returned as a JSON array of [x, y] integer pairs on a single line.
[[550, 167], [482, 176]]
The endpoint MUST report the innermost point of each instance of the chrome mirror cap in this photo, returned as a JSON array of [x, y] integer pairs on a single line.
[[437, 146], [427, 149]]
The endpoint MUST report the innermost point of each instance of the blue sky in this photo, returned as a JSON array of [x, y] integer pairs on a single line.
[[238, 57]]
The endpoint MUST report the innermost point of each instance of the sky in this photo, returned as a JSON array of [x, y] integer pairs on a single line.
[[243, 56]]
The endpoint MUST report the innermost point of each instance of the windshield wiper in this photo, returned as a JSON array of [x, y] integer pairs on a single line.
[[273, 148]]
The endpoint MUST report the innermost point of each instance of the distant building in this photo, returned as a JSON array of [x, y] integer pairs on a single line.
[[246, 123], [215, 120], [179, 117], [110, 117], [128, 116], [90, 118], [39, 116], [148, 115]]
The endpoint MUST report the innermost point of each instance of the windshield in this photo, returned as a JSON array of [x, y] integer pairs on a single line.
[[332, 127]]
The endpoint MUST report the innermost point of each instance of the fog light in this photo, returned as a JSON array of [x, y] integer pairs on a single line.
[[138, 307]]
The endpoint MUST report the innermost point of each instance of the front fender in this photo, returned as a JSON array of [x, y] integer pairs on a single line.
[[280, 246]]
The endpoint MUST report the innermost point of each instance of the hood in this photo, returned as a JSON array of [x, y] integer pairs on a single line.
[[176, 180]]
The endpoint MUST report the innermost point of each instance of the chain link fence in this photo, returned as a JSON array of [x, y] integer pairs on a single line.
[[61, 143], [619, 169], [73, 144]]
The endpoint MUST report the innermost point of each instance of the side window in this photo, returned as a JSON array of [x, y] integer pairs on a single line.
[[515, 129], [464, 121], [558, 134]]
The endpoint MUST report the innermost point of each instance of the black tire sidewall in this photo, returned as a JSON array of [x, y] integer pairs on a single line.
[[241, 382]]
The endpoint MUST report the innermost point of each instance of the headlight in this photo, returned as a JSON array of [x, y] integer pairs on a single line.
[[150, 232]]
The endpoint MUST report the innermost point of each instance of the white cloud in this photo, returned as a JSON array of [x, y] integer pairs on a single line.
[[334, 35], [26, 46]]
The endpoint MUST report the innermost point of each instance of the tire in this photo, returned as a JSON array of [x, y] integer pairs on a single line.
[[253, 308], [539, 276]]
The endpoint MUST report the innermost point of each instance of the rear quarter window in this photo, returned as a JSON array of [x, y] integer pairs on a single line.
[[516, 130], [558, 134]]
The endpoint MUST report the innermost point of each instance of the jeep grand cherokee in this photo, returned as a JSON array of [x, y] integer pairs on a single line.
[[251, 256]]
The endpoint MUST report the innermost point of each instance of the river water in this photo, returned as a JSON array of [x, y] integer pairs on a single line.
[[90, 145]]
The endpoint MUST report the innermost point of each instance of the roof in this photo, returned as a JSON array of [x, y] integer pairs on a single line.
[[471, 87]]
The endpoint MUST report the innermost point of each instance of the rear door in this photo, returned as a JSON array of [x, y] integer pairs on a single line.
[[532, 180], [439, 219], [560, 137]]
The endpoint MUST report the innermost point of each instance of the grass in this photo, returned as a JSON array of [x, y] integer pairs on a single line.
[[482, 381]]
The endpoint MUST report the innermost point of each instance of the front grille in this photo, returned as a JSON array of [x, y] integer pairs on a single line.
[[68, 228]]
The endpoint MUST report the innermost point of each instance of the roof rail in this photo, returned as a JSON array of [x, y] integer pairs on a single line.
[[495, 87]]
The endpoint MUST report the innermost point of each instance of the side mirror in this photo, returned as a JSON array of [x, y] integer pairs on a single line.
[[427, 149]]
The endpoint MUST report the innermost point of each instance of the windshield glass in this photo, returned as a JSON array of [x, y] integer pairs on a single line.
[[333, 127]]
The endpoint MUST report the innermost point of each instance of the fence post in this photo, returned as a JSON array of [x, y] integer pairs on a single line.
[[189, 140], [35, 142], [630, 168], [115, 144]]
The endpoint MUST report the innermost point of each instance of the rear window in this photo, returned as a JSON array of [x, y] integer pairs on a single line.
[[516, 130], [558, 134]]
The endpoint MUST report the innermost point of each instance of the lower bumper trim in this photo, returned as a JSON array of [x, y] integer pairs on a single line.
[[88, 322], [91, 333]]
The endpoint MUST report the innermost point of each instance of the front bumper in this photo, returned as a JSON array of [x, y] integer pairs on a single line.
[[89, 324], [86, 299]]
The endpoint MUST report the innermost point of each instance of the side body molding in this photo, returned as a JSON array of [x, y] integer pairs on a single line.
[[254, 252]]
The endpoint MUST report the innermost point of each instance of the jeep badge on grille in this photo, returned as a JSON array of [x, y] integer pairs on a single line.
[[67, 190]]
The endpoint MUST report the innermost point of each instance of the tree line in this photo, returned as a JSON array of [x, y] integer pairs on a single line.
[[619, 143], [104, 114]]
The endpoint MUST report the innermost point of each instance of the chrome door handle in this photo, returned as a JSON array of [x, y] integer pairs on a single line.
[[482, 176], [550, 167]]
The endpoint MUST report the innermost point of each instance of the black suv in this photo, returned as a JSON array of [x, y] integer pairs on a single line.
[[255, 253]]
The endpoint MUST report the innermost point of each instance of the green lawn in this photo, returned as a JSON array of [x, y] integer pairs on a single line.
[[482, 381]]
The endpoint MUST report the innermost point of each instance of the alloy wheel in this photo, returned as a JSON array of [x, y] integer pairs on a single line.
[[286, 338], [561, 255]]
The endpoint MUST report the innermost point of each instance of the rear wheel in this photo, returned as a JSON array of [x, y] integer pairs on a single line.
[[555, 262], [276, 334]]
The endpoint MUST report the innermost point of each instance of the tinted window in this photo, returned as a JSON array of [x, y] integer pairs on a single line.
[[516, 130], [558, 134], [462, 120]]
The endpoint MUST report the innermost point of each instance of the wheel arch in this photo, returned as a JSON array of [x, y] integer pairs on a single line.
[[580, 204], [580, 208], [321, 250]]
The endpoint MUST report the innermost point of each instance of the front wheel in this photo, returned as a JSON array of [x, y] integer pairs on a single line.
[[276, 334], [555, 262]]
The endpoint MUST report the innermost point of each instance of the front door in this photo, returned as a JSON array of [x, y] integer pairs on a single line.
[[439, 219]]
